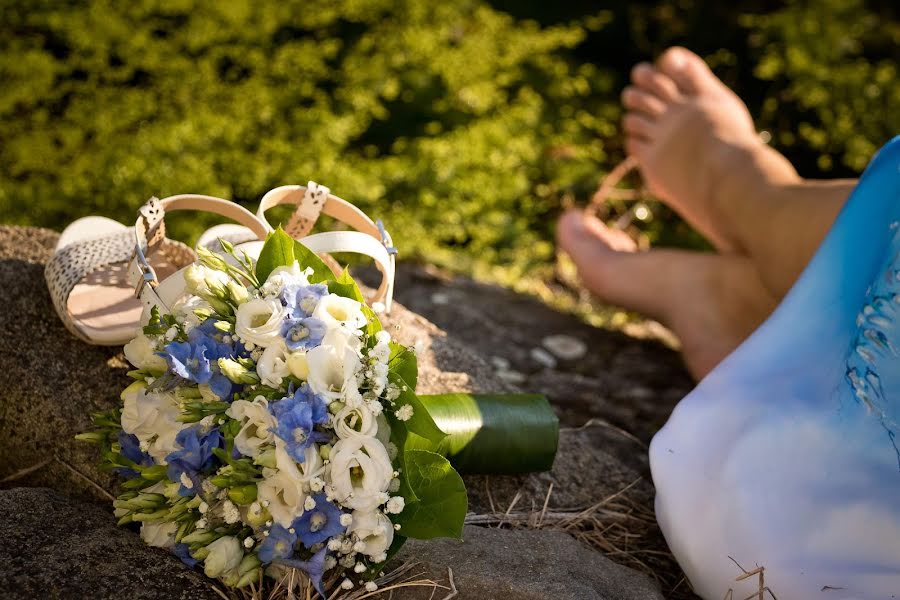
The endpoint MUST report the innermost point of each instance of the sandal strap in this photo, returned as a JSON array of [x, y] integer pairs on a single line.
[[72, 263], [149, 235], [370, 238]]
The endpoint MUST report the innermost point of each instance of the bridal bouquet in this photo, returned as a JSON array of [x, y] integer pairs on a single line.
[[273, 423]]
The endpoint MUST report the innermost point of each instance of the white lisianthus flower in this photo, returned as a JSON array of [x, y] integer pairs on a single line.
[[333, 364], [259, 321], [355, 421], [312, 466], [153, 418], [160, 534], [256, 421], [360, 472], [272, 367], [141, 353], [283, 276], [298, 364], [336, 311], [225, 554], [281, 492], [374, 530]]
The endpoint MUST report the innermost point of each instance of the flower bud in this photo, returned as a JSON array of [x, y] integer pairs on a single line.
[[266, 459], [244, 494], [236, 372], [225, 554], [298, 365], [237, 293]]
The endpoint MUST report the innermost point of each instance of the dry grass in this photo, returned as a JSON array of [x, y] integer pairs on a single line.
[[621, 527]]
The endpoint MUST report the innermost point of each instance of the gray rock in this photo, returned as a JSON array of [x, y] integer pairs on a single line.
[[50, 382], [592, 463], [54, 547], [521, 564]]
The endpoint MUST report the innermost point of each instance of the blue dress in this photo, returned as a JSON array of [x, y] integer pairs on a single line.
[[786, 455]]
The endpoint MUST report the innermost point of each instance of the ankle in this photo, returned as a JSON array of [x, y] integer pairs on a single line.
[[746, 180]]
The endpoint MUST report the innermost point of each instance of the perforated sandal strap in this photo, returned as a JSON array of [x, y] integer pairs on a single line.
[[71, 264], [149, 236], [370, 238]]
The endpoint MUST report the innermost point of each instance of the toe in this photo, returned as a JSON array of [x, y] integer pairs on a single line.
[[655, 82], [638, 125], [637, 100], [689, 72], [595, 249]]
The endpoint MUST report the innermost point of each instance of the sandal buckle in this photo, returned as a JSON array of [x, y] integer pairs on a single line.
[[385, 237], [148, 275]]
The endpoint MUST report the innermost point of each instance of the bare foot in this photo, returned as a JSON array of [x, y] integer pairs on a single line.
[[693, 137], [711, 302]]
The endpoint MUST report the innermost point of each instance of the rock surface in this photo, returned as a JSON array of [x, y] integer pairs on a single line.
[[54, 547], [521, 564], [50, 382]]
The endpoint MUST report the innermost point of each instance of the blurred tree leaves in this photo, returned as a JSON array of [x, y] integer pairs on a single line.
[[463, 125]]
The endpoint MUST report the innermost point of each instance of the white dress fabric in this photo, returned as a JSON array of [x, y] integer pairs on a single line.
[[786, 455]]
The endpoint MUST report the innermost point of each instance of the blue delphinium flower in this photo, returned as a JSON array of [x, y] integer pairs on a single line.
[[303, 334], [320, 523], [278, 544], [188, 360], [207, 336], [296, 417], [196, 455], [131, 449], [314, 567], [183, 551], [302, 299]]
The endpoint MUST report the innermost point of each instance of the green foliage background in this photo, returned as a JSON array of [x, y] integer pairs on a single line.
[[462, 124]]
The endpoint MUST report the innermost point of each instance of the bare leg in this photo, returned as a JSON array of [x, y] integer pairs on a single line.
[[698, 150], [712, 302]]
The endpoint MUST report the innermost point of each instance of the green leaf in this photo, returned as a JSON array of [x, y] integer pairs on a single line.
[[346, 287], [278, 251], [281, 250], [403, 363], [440, 503], [308, 258], [374, 324], [492, 433], [421, 429]]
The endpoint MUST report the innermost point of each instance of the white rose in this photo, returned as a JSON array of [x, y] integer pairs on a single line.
[[374, 530], [372, 472], [283, 276], [282, 490], [141, 353], [333, 364], [298, 364], [337, 311], [159, 534], [256, 421], [355, 421], [225, 554], [259, 321], [273, 367], [153, 418]]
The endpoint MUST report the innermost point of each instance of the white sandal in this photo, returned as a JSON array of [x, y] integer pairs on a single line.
[[370, 238], [102, 273]]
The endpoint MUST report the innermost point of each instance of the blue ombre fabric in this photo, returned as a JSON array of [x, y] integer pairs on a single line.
[[786, 455]]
